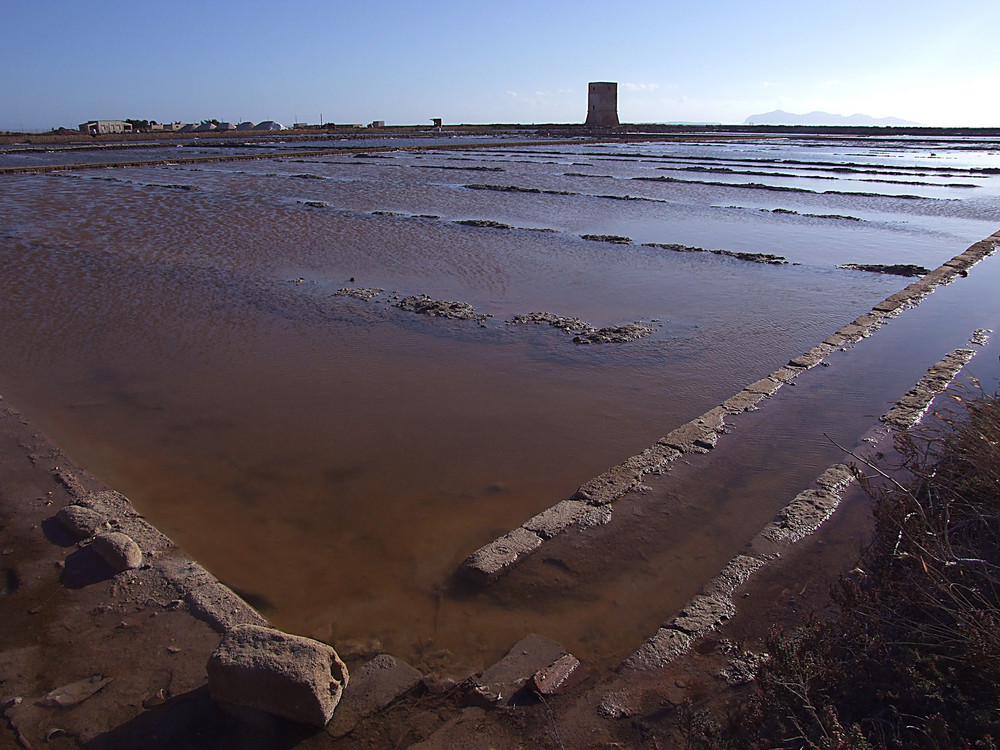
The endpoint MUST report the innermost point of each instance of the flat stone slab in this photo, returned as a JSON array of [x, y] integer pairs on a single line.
[[836, 478], [745, 400], [562, 515], [704, 613], [221, 607], [491, 561], [286, 675], [373, 687], [765, 386], [110, 504], [660, 649], [896, 301], [183, 573], [559, 676], [699, 435], [813, 357], [802, 516], [734, 575], [609, 486], [654, 459], [499, 683]]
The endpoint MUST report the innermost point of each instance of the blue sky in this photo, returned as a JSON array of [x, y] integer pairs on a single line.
[[66, 61]]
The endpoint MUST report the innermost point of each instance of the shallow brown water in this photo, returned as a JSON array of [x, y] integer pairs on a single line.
[[175, 329]]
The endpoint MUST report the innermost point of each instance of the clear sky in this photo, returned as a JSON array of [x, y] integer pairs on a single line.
[[67, 61]]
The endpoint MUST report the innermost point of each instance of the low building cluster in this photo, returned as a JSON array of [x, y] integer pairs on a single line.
[[104, 127]]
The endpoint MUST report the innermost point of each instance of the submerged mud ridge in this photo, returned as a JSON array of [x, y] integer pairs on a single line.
[[795, 164], [789, 212], [583, 332], [366, 294], [768, 258], [614, 239], [424, 305], [895, 269], [786, 188], [586, 333]]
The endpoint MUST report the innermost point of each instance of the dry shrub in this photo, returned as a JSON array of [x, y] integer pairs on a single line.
[[912, 657]]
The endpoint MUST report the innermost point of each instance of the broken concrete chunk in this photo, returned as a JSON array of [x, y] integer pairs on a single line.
[[118, 550], [373, 687], [81, 521], [509, 675], [286, 675], [491, 561], [562, 674]]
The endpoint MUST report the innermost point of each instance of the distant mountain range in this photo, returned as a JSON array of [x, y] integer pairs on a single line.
[[780, 117]]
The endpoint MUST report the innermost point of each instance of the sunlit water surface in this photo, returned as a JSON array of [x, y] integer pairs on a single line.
[[175, 329]]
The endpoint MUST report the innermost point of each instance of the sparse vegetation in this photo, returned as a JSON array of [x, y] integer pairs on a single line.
[[912, 659]]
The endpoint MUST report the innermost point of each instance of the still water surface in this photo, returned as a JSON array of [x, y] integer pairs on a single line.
[[176, 330]]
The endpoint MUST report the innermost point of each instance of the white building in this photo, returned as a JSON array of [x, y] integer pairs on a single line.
[[101, 127]]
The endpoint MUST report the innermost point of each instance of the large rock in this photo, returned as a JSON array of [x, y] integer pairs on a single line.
[[119, 550], [286, 675], [81, 521]]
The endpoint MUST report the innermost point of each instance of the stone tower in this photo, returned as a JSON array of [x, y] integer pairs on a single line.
[[602, 105]]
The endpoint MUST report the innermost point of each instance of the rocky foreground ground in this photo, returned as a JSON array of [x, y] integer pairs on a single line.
[[101, 649]]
